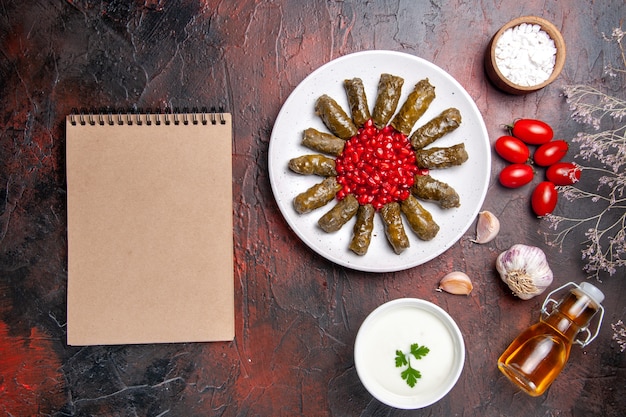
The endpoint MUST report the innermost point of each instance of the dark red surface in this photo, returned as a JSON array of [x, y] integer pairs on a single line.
[[296, 314]]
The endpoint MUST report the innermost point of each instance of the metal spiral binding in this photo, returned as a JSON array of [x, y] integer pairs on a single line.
[[147, 117]]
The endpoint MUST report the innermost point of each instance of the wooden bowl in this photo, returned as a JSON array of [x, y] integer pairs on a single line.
[[504, 84]]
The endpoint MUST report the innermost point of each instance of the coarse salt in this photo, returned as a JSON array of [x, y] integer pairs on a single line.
[[525, 55]]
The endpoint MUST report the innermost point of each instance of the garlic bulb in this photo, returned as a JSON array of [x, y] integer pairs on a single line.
[[487, 227], [525, 270], [456, 283]]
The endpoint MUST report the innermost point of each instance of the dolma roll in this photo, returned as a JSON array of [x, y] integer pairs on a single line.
[[334, 117], [420, 220], [322, 142], [414, 107], [394, 229], [362, 232], [317, 196], [339, 215], [429, 188], [357, 101], [441, 157], [437, 127], [313, 165], [389, 90]]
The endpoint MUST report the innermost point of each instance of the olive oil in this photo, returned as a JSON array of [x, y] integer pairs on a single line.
[[535, 358]]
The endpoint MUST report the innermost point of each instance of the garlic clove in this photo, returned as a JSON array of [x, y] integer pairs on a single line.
[[456, 282], [487, 228]]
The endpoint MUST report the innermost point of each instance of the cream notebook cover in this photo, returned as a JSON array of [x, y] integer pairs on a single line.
[[150, 241]]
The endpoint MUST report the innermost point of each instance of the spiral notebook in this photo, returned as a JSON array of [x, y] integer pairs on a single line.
[[150, 242]]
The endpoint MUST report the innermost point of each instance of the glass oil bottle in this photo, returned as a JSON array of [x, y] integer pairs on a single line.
[[535, 358]]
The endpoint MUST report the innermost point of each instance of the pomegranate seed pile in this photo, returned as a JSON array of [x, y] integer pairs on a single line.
[[377, 166]]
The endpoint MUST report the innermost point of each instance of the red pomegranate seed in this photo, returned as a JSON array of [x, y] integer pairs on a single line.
[[377, 166]]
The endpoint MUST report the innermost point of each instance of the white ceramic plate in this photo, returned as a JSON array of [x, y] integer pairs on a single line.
[[396, 325], [470, 180]]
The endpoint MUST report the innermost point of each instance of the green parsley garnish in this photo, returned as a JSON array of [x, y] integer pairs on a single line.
[[410, 374]]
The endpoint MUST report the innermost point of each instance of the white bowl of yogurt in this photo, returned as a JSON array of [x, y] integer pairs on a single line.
[[409, 353]]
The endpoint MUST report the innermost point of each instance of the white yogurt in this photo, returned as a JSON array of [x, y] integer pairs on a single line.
[[396, 326]]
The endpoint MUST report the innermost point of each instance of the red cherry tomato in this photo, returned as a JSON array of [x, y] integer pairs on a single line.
[[563, 173], [550, 153], [544, 198], [516, 175], [512, 149], [531, 131]]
